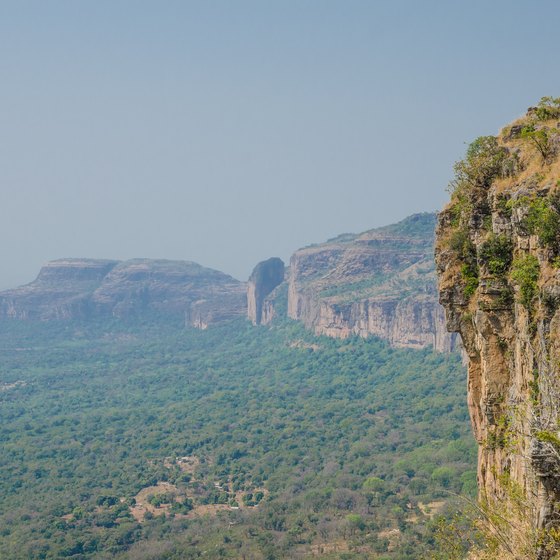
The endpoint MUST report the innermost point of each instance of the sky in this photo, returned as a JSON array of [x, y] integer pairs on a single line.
[[227, 132]]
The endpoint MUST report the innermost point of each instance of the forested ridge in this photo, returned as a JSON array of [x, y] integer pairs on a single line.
[[151, 441]]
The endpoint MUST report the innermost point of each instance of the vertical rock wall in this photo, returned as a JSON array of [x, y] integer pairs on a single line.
[[381, 283], [266, 276], [498, 257]]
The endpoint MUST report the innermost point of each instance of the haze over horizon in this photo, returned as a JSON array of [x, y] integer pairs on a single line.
[[226, 133]]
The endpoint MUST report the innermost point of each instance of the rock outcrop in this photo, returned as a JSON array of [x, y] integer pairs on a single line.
[[381, 282], [87, 288], [62, 290], [266, 276], [498, 261]]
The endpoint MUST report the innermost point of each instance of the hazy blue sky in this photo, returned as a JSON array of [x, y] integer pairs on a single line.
[[228, 132]]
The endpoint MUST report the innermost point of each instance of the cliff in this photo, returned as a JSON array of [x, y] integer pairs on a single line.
[[380, 282], [88, 288], [266, 276], [498, 261]]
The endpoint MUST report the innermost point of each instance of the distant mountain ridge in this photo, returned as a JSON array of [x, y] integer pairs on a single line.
[[86, 288], [380, 282]]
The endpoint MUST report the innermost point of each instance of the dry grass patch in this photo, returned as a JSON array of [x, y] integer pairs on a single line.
[[143, 506]]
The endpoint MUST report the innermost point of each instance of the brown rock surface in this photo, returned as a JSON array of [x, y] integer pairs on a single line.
[[84, 288], [497, 254], [381, 282], [61, 290], [266, 276]]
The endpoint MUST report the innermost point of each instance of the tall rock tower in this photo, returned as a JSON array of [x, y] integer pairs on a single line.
[[266, 276]]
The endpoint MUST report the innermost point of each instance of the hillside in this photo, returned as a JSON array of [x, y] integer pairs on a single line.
[[380, 282], [138, 288]]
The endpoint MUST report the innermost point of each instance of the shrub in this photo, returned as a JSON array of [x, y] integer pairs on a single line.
[[462, 245], [443, 476], [470, 277], [158, 500], [505, 298], [496, 254], [501, 526], [182, 507], [462, 206], [484, 161], [525, 272], [543, 139], [543, 220], [547, 108]]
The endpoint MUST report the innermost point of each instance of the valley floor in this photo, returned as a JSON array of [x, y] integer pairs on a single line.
[[155, 442]]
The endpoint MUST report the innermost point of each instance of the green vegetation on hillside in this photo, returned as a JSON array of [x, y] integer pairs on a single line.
[[420, 226], [163, 443]]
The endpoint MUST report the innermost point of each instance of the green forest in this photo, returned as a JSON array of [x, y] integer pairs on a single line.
[[152, 441]]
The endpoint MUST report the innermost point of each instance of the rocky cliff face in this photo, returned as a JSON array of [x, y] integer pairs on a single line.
[[61, 290], [266, 276], [498, 261], [85, 288], [381, 282]]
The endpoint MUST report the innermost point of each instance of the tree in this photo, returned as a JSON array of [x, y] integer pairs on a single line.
[[543, 139]]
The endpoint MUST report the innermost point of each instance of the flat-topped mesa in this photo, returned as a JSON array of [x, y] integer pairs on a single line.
[[60, 291], [74, 272], [168, 287], [498, 262], [266, 276], [88, 288], [381, 282]]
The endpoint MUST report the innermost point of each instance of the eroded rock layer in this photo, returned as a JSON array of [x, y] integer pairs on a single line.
[[88, 288], [498, 261], [266, 276], [381, 282]]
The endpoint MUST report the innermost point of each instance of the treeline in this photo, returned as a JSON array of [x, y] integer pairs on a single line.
[[351, 446]]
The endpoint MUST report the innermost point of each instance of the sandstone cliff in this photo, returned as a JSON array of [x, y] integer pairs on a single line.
[[498, 261], [88, 288], [266, 276], [381, 282]]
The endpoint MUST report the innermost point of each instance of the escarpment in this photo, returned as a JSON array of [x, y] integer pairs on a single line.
[[90, 288], [381, 282], [498, 262]]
